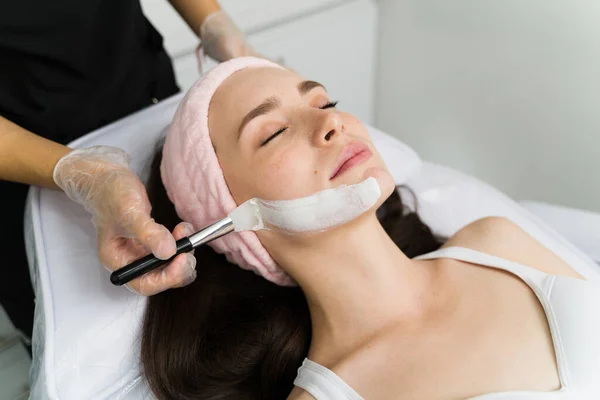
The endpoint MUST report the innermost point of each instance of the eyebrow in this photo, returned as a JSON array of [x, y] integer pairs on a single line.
[[273, 102], [306, 86], [265, 107]]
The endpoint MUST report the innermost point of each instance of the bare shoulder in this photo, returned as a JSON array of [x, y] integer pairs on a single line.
[[299, 394], [501, 237]]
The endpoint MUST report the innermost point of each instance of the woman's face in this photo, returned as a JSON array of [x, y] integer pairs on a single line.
[[279, 137]]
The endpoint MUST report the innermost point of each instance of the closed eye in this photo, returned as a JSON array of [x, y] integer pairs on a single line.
[[331, 104], [273, 136]]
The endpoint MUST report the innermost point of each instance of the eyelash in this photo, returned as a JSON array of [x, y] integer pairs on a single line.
[[330, 104]]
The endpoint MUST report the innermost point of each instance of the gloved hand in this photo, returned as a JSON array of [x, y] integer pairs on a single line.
[[222, 40], [100, 179]]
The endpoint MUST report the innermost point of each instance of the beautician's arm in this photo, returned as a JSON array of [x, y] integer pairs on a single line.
[[194, 12], [26, 157], [100, 179], [220, 38]]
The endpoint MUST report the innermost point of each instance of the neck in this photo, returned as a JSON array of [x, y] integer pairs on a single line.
[[356, 281]]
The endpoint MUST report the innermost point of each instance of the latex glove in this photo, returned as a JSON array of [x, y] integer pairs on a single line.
[[222, 40], [100, 179]]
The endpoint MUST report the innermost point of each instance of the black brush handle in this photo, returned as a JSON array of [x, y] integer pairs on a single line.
[[147, 264]]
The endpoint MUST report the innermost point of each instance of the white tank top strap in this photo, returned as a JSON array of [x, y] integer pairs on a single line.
[[322, 383], [528, 274]]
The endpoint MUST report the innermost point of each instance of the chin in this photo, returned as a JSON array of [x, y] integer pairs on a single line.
[[383, 176], [385, 181]]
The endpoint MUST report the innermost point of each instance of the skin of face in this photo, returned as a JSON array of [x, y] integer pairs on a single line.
[[301, 159]]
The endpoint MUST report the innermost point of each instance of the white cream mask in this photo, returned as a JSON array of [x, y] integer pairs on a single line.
[[315, 213]]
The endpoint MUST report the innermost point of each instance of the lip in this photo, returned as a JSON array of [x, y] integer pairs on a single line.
[[352, 155]]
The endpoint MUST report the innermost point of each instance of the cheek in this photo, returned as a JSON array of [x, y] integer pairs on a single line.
[[290, 174], [283, 173], [353, 124], [237, 181]]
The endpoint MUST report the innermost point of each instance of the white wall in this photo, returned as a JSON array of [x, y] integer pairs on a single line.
[[507, 90]]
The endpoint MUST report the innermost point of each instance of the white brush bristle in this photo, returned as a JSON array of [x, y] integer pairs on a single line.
[[247, 217]]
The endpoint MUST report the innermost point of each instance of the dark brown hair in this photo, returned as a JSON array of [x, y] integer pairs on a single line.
[[232, 334]]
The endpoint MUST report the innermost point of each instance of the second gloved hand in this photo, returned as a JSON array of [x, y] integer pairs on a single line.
[[100, 179], [222, 40]]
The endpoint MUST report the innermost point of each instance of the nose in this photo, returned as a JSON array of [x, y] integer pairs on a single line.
[[328, 128]]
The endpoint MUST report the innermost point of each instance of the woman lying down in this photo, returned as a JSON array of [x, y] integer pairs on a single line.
[[376, 308]]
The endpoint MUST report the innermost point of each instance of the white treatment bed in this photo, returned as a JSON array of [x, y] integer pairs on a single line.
[[86, 330]]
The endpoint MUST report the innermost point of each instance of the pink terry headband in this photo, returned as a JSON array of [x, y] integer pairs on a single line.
[[194, 179]]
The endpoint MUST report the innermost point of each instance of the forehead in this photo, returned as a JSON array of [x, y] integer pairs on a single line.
[[251, 86], [246, 89]]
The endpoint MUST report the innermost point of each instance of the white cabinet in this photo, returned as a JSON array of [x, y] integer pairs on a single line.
[[332, 42]]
